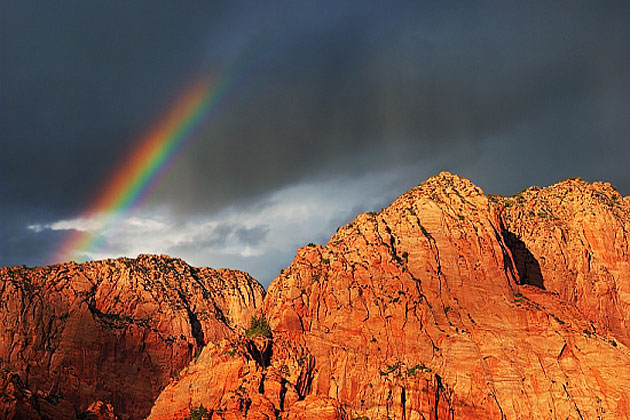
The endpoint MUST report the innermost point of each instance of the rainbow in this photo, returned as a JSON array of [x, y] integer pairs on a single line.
[[140, 173]]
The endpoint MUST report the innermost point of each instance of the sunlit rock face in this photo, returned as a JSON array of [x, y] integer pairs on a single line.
[[448, 304], [578, 234], [114, 331]]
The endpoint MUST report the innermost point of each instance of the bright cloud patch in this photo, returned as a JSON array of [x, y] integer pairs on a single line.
[[81, 224], [260, 238]]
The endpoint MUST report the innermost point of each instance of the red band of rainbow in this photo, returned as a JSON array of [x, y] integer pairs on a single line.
[[139, 173]]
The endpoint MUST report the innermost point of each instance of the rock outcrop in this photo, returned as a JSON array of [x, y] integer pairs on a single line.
[[577, 241], [448, 304], [100, 340]]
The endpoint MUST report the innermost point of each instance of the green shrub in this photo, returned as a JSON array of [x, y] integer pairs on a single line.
[[200, 413], [258, 327], [233, 350], [390, 369], [420, 367]]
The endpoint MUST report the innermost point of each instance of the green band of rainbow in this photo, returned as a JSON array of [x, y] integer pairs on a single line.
[[140, 173]]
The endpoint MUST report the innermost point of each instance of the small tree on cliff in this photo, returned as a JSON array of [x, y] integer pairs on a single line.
[[200, 413], [258, 327]]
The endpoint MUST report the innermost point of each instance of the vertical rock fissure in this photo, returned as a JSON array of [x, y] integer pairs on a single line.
[[304, 382], [261, 385], [527, 266], [392, 244], [577, 409], [260, 351], [195, 326], [438, 388], [403, 402], [432, 244], [196, 330], [283, 392]]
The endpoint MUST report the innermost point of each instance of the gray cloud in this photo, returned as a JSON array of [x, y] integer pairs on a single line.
[[252, 236], [508, 95], [361, 96], [221, 235]]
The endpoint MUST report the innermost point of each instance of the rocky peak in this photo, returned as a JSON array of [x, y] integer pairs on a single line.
[[444, 188], [441, 305], [446, 182], [446, 304], [113, 330]]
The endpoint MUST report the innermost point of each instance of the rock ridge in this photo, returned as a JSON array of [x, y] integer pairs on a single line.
[[114, 330], [447, 304]]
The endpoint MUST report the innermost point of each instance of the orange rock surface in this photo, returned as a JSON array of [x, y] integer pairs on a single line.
[[578, 237], [448, 304], [101, 339]]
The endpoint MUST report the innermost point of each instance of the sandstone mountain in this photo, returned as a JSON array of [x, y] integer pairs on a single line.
[[448, 304], [105, 337]]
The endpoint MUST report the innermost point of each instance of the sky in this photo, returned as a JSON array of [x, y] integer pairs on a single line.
[[327, 109]]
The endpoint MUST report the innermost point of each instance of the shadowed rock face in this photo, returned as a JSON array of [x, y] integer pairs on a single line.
[[448, 304], [78, 337], [525, 263]]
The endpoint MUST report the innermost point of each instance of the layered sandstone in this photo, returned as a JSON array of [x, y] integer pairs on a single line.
[[101, 339], [445, 305], [448, 304], [577, 237]]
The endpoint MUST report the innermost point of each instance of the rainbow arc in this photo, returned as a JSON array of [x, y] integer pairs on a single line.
[[140, 173]]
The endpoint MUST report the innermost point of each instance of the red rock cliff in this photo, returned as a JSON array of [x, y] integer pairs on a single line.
[[445, 305], [79, 337], [573, 238]]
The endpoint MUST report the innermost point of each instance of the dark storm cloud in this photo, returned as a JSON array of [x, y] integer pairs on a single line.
[[378, 91], [18, 244], [506, 94], [80, 81]]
